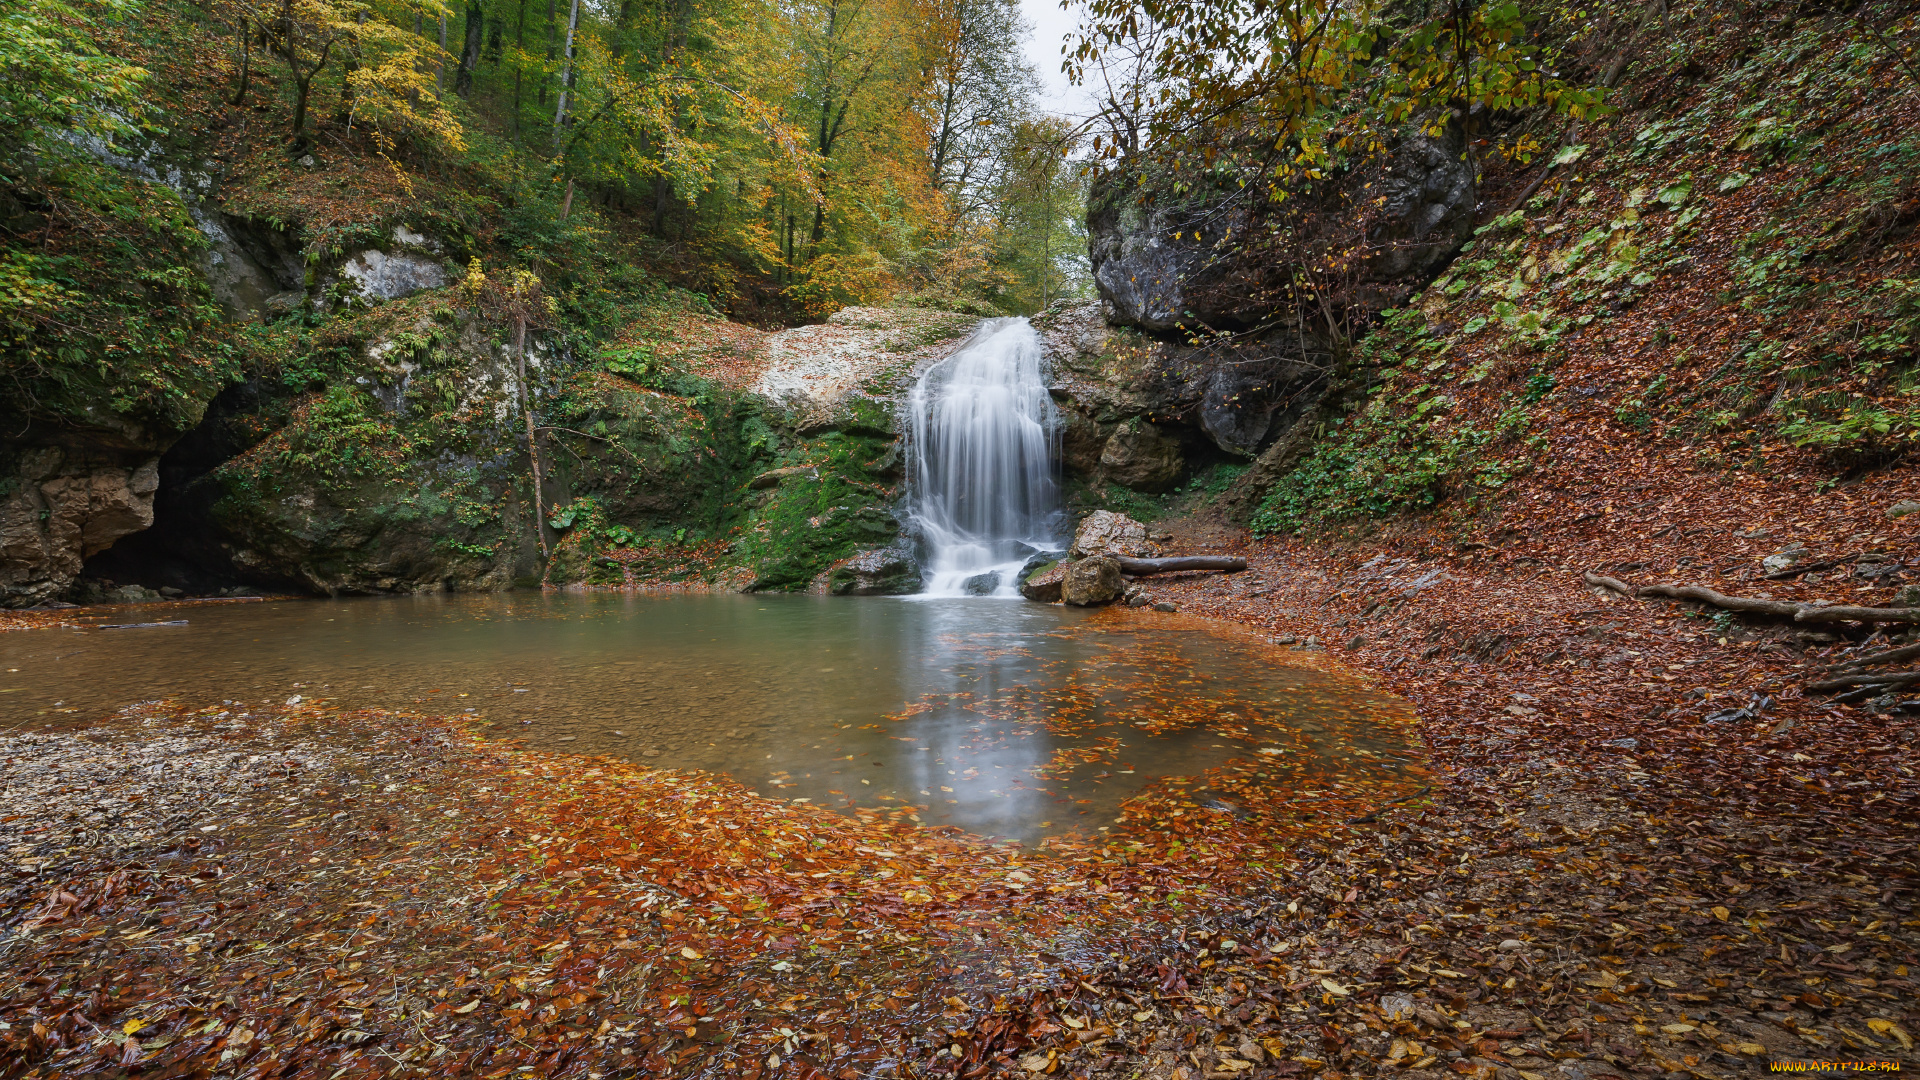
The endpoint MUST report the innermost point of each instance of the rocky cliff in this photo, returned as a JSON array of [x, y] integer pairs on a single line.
[[1200, 347]]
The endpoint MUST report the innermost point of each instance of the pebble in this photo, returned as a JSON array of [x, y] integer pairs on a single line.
[[1166, 605]]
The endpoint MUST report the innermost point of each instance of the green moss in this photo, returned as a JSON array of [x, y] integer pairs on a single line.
[[806, 525]]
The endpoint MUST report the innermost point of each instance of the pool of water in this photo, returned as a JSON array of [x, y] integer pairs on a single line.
[[1005, 719]]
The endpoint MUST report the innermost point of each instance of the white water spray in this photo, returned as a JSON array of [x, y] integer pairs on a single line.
[[984, 498]]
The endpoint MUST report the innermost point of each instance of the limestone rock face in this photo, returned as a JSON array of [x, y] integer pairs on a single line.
[[1107, 533], [389, 276], [887, 571], [66, 504], [1092, 582], [1141, 456]]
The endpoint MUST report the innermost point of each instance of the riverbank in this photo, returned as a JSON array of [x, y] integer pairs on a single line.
[[1647, 852]]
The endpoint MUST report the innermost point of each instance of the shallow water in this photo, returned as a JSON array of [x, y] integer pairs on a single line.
[[1010, 720]]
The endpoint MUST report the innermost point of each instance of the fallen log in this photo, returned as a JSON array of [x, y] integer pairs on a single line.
[[1798, 612], [1144, 567]]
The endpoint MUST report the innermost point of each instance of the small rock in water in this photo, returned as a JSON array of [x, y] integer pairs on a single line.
[[651, 753], [1285, 639], [981, 584], [568, 738], [1166, 605]]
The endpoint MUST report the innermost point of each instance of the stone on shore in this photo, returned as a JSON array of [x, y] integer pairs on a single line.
[[1092, 582]]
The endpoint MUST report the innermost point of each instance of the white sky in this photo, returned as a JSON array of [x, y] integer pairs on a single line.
[[1050, 24]]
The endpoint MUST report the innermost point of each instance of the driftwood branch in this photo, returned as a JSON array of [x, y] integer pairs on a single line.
[[1144, 567]]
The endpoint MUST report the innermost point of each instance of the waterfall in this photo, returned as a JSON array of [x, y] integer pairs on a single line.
[[983, 497]]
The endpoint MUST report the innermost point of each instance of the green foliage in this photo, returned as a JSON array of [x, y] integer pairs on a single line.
[[54, 78]]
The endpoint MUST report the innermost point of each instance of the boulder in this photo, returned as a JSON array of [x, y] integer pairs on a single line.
[[1140, 456], [1092, 582], [1043, 585], [1107, 533], [887, 571]]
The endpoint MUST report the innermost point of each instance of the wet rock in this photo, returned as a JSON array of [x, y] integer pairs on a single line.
[[1624, 744], [981, 584], [887, 571], [1166, 605], [1107, 533], [1902, 509], [1092, 582], [1396, 1006], [1044, 584]]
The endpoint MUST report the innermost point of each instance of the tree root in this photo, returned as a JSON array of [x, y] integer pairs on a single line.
[[1784, 609], [1888, 679], [1615, 584], [1846, 676]]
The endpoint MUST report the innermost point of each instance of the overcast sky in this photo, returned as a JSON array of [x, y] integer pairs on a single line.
[[1050, 24]]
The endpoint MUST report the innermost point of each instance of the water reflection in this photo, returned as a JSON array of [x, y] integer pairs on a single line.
[[1016, 720]]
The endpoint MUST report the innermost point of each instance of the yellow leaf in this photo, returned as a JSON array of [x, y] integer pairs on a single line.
[[1525, 1075], [1750, 1049], [1074, 1022], [1721, 913], [1334, 987], [1666, 983], [1449, 974], [132, 1026], [1676, 1029], [468, 1007], [1888, 1027], [688, 952]]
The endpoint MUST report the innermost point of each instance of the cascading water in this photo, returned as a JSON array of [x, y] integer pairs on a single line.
[[984, 498]]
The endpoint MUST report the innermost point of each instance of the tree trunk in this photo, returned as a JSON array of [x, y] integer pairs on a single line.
[[246, 60], [533, 442], [301, 88], [470, 52], [566, 74], [566, 202]]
